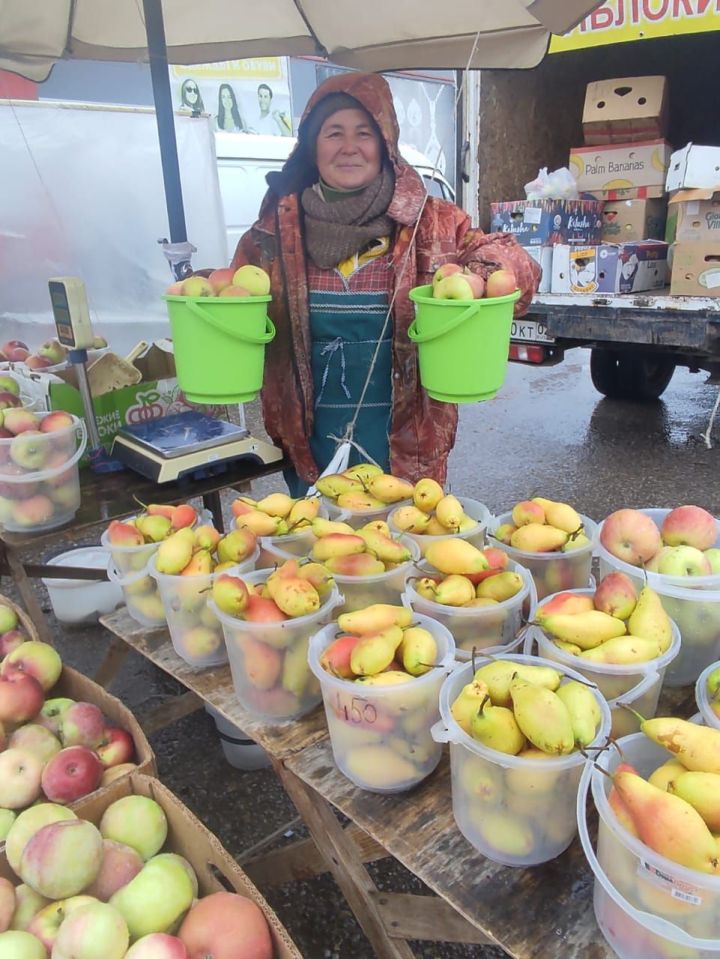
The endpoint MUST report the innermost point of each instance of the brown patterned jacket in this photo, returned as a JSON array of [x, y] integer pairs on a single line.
[[422, 430]]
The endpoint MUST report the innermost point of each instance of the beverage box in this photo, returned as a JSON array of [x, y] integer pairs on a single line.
[[694, 168], [694, 215], [626, 221], [610, 268], [216, 870], [620, 166], [696, 269], [625, 110], [546, 222]]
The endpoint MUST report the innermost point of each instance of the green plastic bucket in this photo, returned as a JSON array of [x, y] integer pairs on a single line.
[[219, 345], [462, 344]]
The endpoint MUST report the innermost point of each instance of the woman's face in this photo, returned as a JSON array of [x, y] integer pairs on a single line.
[[191, 92], [348, 152], [226, 98]]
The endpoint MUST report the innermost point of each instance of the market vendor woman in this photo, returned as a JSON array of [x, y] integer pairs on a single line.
[[335, 233]]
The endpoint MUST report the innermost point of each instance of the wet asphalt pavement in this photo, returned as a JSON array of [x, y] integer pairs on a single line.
[[547, 433]]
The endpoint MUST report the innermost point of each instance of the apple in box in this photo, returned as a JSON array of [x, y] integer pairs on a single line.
[[21, 698], [20, 775], [57, 420], [8, 384], [70, 774], [16, 351], [20, 421]]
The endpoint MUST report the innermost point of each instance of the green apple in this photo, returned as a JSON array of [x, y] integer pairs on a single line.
[[684, 561], [21, 945], [7, 818], [92, 931], [27, 904], [136, 821], [156, 899], [713, 557]]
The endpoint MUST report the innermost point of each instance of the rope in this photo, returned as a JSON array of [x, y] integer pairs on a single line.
[[708, 431]]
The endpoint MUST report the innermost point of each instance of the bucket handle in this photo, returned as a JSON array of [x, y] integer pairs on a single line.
[[446, 328], [235, 333]]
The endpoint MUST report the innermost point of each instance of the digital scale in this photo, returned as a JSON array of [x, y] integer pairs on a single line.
[[188, 444]]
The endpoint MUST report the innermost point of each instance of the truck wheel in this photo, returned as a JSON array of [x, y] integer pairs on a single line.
[[630, 376]]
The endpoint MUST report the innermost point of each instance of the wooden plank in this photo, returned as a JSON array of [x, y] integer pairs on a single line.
[[214, 686], [170, 711], [427, 918], [349, 873], [303, 860]]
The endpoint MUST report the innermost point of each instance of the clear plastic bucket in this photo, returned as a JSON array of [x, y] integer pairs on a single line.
[[638, 685], [141, 594], [693, 602], [133, 559], [358, 518], [380, 735], [269, 661], [40, 484], [553, 572], [195, 631], [646, 906], [514, 646], [515, 811], [483, 626], [472, 507], [362, 591], [709, 716]]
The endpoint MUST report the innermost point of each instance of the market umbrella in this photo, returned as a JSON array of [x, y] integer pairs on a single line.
[[402, 34]]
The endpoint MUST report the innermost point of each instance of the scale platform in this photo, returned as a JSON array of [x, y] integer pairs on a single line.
[[189, 445]]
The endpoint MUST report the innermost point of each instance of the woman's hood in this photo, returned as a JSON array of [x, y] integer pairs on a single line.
[[373, 93]]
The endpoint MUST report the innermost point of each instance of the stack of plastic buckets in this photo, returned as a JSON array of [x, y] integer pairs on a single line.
[[693, 602], [638, 686]]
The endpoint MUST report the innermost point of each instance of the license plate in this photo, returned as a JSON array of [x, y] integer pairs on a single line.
[[530, 331]]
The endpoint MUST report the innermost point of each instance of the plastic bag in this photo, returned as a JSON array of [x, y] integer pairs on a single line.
[[558, 185]]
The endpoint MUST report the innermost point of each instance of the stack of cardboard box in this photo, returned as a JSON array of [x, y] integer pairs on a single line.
[[623, 163], [693, 227]]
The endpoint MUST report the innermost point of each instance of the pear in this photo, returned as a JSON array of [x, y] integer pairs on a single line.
[[319, 576], [496, 728], [363, 471], [295, 596], [389, 489], [276, 504], [154, 528], [478, 603], [427, 494], [230, 594], [563, 517], [261, 523], [373, 619], [360, 564], [419, 650], [696, 747], [389, 677], [504, 533], [456, 556], [449, 512], [303, 512], [664, 775], [543, 718], [410, 519], [384, 547], [713, 683], [380, 767], [323, 527], [510, 836], [481, 780], [454, 590], [586, 630], [500, 587], [435, 528], [668, 824], [335, 484], [538, 538], [426, 587], [575, 541], [236, 546], [650, 620], [373, 654], [295, 669], [499, 673], [358, 501], [467, 703], [526, 512], [569, 603], [467, 523], [622, 813], [379, 525], [584, 710], [623, 651], [337, 544], [335, 658], [207, 537], [175, 552], [702, 791]]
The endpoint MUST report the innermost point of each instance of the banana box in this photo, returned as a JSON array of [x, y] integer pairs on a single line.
[[610, 268], [620, 166]]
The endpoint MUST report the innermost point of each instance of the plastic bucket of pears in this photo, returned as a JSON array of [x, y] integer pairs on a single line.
[[646, 905], [299, 540], [195, 631], [553, 571], [472, 508], [708, 704], [362, 494], [269, 661], [516, 811], [141, 594], [638, 685], [380, 734], [479, 627], [693, 602]]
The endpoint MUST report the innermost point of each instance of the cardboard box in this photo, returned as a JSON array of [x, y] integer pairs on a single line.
[[625, 110], [543, 256], [694, 216], [546, 222], [610, 268], [216, 870], [628, 220], [620, 167], [694, 168], [627, 193], [695, 269]]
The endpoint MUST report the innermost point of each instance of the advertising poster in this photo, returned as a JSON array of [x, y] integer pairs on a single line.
[[620, 21], [242, 96]]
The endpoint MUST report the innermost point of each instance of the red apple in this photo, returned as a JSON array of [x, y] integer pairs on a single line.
[[36, 659], [157, 945], [116, 748], [447, 269], [500, 283], [10, 641], [234, 291], [57, 420], [35, 362], [120, 864], [175, 289], [19, 421], [225, 925], [70, 774], [219, 279], [35, 511], [16, 351], [83, 724], [477, 284], [631, 536], [21, 698]]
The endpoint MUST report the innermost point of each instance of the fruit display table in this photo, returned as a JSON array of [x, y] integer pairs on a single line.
[[104, 497], [543, 912]]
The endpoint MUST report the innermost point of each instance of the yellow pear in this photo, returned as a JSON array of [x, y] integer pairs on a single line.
[[419, 650], [576, 541], [587, 630], [456, 556], [386, 548], [425, 587], [454, 590], [449, 512], [389, 489], [696, 747], [545, 503], [303, 512], [295, 669], [623, 651], [337, 544], [427, 494], [335, 484], [466, 523], [666, 774], [389, 677], [358, 501], [410, 519], [650, 620], [468, 703], [373, 619], [276, 504], [374, 653], [584, 710], [498, 674], [562, 516], [175, 552], [503, 533], [538, 538], [379, 525], [543, 718], [363, 471], [496, 728], [379, 767], [570, 648], [479, 602], [435, 528], [702, 791], [262, 524], [323, 527], [501, 586]]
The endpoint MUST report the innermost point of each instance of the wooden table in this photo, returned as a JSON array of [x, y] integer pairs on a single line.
[[545, 911], [108, 496]]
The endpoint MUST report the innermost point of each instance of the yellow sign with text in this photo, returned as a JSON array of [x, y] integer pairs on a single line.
[[254, 68], [620, 21]]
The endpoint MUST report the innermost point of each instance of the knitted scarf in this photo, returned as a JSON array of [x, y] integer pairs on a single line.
[[334, 231]]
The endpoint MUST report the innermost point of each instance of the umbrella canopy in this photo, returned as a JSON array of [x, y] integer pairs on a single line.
[[378, 35]]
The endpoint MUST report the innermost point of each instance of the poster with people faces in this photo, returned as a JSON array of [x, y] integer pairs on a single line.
[[242, 96]]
